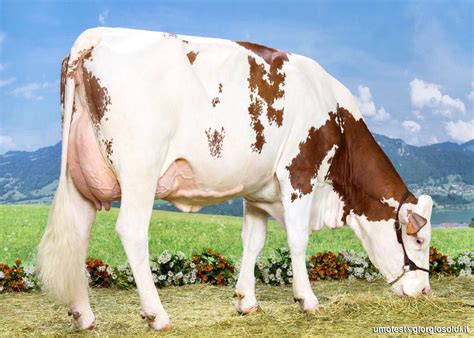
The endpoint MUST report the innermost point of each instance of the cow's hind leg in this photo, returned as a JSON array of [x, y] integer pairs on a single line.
[[62, 251], [132, 228], [253, 239]]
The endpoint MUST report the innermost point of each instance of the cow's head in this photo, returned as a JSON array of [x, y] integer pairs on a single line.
[[380, 240]]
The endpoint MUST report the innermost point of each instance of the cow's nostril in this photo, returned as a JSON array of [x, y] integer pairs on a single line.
[[426, 290]]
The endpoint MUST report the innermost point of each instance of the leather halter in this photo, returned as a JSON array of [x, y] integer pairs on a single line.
[[408, 264]]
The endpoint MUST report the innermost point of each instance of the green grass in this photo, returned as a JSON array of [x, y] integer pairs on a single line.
[[352, 308], [21, 227]]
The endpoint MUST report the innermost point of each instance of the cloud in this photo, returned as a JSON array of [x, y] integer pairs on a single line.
[[461, 131], [6, 82], [6, 143], [103, 17], [367, 105], [470, 96], [411, 126], [418, 114], [428, 95], [30, 90]]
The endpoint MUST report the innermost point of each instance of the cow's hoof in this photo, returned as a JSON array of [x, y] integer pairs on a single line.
[[83, 321], [156, 323], [309, 306], [246, 304], [255, 309], [317, 310]]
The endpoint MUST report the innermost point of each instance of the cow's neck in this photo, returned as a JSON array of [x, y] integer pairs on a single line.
[[362, 174]]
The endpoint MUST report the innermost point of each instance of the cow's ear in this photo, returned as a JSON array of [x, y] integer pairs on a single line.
[[415, 223]]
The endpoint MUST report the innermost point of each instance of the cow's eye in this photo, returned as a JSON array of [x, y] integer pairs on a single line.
[[419, 241]]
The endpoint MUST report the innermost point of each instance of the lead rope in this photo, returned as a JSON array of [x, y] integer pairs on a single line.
[[408, 264]]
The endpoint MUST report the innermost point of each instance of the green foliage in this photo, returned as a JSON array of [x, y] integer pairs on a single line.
[[276, 269], [212, 268]]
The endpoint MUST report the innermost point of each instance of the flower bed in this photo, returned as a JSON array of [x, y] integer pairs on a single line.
[[211, 267]]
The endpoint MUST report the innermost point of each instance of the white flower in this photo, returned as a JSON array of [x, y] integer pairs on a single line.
[[465, 273], [155, 278], [192, 265], [450, 261], [1, 288], [130, 279], [170, 273], [28, 283], [465, 260], [29, 270], [162, 277], [289, 272], [1, 275], [359, 272], [181, 255]]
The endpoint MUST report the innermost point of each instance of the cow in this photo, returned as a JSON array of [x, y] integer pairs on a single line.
[[195, 121]]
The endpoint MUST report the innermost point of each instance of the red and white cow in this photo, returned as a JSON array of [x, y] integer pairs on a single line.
[[195, 121]]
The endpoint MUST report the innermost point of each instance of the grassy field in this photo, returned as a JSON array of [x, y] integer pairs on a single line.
[[21, 227], [352, 308]]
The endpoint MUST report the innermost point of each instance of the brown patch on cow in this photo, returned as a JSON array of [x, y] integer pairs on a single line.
[[108, 148], [220, 87], [62, 85], [215, 140], [85, 54], [360, 172], [305, 166], [192, 56], [98, 98], [215, 101], [267, 53], [255, 110], [265, 88]]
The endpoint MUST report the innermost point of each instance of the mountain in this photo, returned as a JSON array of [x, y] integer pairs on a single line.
[[436, 162], [445, 168], [29, 176]]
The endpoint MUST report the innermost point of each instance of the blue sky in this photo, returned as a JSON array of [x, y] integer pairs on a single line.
[[409, 63]]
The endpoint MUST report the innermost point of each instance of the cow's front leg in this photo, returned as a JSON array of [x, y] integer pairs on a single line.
[[253, 239], [297, 227], [132, 228]]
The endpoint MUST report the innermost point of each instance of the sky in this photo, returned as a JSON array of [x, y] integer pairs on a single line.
[[410, 64]]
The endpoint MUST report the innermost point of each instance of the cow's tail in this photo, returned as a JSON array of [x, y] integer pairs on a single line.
[[61, 252]]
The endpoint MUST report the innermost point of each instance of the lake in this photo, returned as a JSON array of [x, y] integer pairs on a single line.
[[452, 216]]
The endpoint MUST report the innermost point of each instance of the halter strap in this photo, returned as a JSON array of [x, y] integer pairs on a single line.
[[408, 264]]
